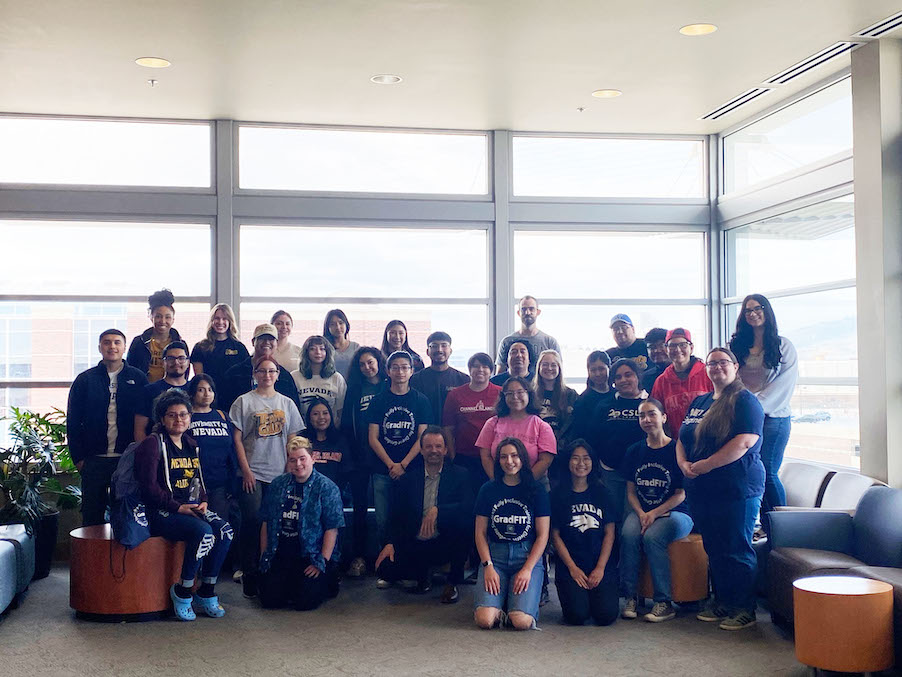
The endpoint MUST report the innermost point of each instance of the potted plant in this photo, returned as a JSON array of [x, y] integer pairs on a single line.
[[30, 492]]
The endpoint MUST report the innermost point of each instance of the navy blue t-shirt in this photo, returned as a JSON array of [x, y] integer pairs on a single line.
[[398, 418], [615, 429], [743, 478], [151, 392], [580, 518], [512, 510], [216, 448], [654, 472]]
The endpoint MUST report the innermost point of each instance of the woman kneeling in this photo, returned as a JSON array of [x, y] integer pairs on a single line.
[[168, 472], [301, 515], [512, 521]]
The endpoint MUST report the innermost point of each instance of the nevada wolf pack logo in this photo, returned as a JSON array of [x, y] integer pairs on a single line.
[[584, 522]]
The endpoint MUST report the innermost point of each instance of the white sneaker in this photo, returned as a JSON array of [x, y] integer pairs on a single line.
[[237, 575], [383, 584], [630, 609]]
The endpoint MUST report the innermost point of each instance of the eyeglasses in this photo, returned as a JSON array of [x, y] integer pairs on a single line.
[[180, 416], [756, 309], [514, 393], [399, 367], [718, 363], [678, 345], [269, 372], [180, 359]]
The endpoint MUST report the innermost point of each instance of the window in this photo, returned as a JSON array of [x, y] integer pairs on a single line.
[[560, 267], [585, 167], [104, 258], [813, 129], [303, 159], [799, 253], [105, 152]]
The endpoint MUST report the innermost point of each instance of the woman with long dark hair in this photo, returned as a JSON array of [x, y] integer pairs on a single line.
[[512, 522], [366, 379], [719, 452], [335, 330], [769, 367], [394, 338], [212, 430], [317, 377], [582, 531], [329, 448], [220, 349]]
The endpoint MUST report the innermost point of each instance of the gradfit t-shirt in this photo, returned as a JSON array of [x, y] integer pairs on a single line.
[[654, 472], [744, 477], [512, 510], [398, 418], [266, 424], [289, 525], [580, 517], [466, 412]]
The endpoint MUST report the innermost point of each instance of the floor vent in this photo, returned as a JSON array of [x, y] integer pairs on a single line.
[[881, 27], [735, 103], [810, 63]]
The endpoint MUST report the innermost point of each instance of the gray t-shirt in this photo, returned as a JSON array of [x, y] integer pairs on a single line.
[[343, 359], [265, 424], [536, 344]]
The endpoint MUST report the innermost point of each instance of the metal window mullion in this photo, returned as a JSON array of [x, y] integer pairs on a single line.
[[800, 291]]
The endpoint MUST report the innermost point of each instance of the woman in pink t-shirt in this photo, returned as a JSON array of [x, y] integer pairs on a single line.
[[517, 416]]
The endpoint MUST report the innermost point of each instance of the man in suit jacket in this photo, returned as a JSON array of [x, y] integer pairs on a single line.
[[431, 520]]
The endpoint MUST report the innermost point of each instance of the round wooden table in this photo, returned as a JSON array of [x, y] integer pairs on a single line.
[[843, 623], [109, 583], [688, 571]]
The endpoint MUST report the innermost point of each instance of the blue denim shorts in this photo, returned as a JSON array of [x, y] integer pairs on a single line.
[[507, 560]]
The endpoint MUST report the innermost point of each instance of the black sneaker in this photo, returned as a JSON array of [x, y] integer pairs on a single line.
[[421, 588], [450, 595], [545, 598], [249, 585]]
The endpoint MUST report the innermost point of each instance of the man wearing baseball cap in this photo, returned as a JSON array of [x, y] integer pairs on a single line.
[[683, 381], [239, 379], [627, 344]]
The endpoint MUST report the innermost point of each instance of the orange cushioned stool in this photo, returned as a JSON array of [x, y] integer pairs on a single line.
[[111, 584], [688, 571]]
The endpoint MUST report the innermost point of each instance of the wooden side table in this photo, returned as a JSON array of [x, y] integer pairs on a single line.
[[109, 583], [688, 571], [843, 623]]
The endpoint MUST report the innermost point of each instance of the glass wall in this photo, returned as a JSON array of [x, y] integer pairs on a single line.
[[804, 261]]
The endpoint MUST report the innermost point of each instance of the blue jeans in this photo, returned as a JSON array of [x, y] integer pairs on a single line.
[[207, 540], [383, 491], [773, 443], [726, 527], [507, 560], [662, 532]]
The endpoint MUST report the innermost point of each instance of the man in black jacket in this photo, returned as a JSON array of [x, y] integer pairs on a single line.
[[432, 520], [100, 421], [239, 379]]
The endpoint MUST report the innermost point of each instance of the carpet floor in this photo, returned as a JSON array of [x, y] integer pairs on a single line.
[[365, 631]]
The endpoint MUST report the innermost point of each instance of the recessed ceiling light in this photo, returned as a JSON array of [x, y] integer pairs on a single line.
[[153, 62], [386, 79], [606, 93], [698, 29]]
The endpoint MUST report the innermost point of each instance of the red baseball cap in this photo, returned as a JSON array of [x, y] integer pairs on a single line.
[[679, 331]]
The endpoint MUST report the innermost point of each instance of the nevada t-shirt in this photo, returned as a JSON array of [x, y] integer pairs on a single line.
[[512, 510], [580, 517], [654, 472]]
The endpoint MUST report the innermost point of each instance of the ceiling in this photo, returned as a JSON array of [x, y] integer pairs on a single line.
[[467, 64]]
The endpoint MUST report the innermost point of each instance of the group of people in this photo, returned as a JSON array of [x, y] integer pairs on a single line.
[[504, 467]]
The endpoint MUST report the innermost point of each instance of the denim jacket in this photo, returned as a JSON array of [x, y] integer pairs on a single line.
[[321, 510]]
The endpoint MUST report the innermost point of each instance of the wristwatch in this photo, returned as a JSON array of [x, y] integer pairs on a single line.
[[487, 563]]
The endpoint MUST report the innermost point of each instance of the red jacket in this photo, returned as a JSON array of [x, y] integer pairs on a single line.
[[676, 394]]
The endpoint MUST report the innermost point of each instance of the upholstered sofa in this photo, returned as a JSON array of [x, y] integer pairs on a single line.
[[16, 564]]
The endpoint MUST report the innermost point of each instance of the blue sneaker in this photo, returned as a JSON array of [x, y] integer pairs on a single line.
[[181, 606]]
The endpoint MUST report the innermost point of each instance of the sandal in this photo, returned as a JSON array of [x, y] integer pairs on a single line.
[[210, 606], [181, 606]]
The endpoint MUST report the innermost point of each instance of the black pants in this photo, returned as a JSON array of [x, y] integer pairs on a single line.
[[601, 604], [285, 584], [95, 488], [359, 482], [413, 558]]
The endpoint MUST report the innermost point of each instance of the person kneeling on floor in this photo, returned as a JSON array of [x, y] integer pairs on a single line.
[[171, 484], [301, 515], [431, 520]]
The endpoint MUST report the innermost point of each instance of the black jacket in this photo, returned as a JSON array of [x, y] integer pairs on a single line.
[[89, 398], [454, 501], [239, 380], [138, 352]]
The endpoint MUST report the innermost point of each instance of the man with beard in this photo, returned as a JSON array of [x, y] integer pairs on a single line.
[[437, 380], [529, 335]]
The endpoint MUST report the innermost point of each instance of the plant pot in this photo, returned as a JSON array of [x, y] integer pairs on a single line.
[[45, 532]]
